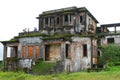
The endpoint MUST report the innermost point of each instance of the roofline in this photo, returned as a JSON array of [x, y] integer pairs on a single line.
[[9, 41], [59, 10], [84, 8], [111, 25], [67, 9]]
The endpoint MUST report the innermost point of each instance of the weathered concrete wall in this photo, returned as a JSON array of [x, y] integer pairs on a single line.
[[78, 61], [55, 51], [75, 60], [116, 39], [25, 63], [73, 20], [94, 51], [90, 21], [30, 41], [27, 42]]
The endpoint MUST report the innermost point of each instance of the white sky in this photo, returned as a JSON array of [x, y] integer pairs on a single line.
[[15, 15]]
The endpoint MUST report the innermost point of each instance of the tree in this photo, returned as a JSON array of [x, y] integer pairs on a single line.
[[110, 54]]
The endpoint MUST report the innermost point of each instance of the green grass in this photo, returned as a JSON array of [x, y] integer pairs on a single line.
[[113, 74], [0, 65], [43, 67]]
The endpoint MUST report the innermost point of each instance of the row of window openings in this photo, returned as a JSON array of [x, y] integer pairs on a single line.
[[30, 52], [66, 19], [47, 20], [68, 49]]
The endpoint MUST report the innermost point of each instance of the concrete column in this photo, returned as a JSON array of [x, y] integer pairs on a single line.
[[12, 51], [19, 51], [43, 52], [43, 22], [68, 18], [48, 22], [115, 29], [63, 20], [63, 51], [4, 56]]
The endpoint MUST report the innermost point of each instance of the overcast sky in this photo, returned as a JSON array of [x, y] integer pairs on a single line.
[[15, 15]]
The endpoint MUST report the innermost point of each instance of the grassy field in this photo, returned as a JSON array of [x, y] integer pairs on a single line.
[[113, 74]]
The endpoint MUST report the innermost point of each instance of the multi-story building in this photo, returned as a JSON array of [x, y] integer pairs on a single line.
[[66, 35], [73, 20]]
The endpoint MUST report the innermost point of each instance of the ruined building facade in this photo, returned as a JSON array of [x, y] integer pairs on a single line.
[[66, 35], [109, 34]]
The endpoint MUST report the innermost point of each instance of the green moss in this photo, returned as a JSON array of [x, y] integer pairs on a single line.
[[31, 35], [68, 39], [12, 59], [13, 40], [107, 34], [10, 41], [58, 36], [86, 35]]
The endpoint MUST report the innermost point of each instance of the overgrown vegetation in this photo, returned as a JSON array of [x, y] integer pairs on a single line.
[[43, 67], [58, 36], [107, 34], [113, 74], [110, 55], [31, 35]]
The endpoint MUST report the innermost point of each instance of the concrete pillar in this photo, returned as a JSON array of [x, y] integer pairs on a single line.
[[68, 18], [63, 51], [5, 52], [48, 22], [43, 52], [115, 29], [43, 22], [12, 52], [63, 20], [4, 56]]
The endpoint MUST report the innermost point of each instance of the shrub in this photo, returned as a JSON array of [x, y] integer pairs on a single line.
[[110, 54]]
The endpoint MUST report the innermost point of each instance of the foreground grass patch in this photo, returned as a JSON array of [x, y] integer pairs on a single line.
[[113, 74]]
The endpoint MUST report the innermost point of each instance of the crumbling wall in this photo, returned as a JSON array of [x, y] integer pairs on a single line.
[[25, 63], [78, 61], [90, 24], [26, 42], [104, 40], [94, 51], [55, 51]]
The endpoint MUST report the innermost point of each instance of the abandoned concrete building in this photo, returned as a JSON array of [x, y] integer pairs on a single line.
[[66, 35], [109, 33]]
